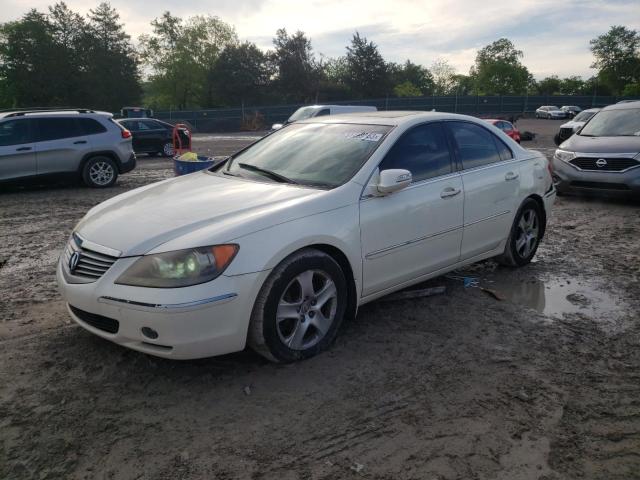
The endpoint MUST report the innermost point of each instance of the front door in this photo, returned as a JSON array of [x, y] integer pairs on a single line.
[[417, 230], [17, 149]]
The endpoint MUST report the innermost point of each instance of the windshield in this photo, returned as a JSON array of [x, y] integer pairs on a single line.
[[583, 116], [314, 154], [614, 123], [302, 114]]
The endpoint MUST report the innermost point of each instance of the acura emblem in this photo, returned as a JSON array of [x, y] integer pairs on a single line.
[[601, 162], [73, 261]]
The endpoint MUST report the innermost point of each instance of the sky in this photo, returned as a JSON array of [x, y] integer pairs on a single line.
[[553, 35]]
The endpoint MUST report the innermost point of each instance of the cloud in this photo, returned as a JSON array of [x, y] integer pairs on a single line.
[[554, 36]]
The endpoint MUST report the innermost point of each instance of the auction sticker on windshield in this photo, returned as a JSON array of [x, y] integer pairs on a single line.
[[368, 136]]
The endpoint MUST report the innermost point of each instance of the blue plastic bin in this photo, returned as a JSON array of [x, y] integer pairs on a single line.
[[181, 167]]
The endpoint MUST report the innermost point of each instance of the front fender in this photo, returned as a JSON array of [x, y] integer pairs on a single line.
[[263, 250]]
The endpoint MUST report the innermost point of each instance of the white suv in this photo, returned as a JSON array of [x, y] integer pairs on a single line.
[[81, 143]]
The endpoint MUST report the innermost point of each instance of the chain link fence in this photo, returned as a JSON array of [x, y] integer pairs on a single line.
[[257, 118]]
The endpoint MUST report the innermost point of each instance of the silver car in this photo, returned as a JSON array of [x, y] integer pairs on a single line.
[[604, 156], [80, 143]]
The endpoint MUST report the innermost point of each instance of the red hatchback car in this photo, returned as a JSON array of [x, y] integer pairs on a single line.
[[506, 127]]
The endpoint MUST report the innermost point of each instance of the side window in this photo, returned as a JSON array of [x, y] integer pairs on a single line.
[[15, 132], [143, 126], [504, 151], [475, 145], [423, 151], [89, 126], [323, 112], [56, 128], [149, 125]]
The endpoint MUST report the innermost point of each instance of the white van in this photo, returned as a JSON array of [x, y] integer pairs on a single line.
[[311, 111]]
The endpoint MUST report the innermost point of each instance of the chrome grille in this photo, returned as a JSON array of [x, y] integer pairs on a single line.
[[615, 164], [91, 264]]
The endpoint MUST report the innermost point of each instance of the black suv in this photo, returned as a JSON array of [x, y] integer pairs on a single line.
[[152, 136]]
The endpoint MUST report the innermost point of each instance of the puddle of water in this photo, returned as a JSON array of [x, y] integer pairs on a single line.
[[556, 297]]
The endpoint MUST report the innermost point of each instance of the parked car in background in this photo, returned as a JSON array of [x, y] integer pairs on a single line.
[[550, 111], [136, 112], [281, 242], [75, 143], [152, 136], [604, 156], [572, 110], [507, 127], [312, 111], [569, 128]]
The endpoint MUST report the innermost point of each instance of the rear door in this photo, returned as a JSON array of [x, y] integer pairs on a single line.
[[17, 149], [60, 144], [491, 179]]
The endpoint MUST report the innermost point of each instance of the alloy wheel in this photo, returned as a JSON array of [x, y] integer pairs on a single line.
[[306, 309], [168, 150], [101, 173], [527, 233]]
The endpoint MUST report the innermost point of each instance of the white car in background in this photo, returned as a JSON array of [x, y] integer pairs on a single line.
[[571, 127], [550, 111], [312, 111], [276, 246]]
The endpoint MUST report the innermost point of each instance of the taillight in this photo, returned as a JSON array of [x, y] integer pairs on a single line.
[[126, 133]]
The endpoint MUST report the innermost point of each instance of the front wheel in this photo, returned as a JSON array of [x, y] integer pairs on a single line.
[[525, 235], [300, 307], [100, 172]]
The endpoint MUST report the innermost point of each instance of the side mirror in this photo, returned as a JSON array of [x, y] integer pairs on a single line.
[[393, 180], [276, 126]]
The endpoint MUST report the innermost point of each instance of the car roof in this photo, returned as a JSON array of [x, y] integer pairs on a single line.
[[390, 118], [51, 113], [623, 106]]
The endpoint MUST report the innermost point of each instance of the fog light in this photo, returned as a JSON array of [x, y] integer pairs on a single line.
[[149, 333]]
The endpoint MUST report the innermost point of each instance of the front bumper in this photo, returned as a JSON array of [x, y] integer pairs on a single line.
[[179, 323], [568, 178]]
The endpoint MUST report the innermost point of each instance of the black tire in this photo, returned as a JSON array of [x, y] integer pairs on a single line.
[[99, 172], [515, 254], [267, 336]]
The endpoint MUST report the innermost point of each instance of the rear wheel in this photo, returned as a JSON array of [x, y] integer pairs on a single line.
[[100, 172], [525, 235], [300, 307]]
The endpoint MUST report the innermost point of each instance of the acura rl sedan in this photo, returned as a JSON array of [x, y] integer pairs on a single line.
[[278, 244]]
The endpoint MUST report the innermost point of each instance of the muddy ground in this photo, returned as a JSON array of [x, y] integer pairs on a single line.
[[538, 380]]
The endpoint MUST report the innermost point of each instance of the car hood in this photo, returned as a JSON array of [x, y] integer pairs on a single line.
[[142, 220], [603, 145]]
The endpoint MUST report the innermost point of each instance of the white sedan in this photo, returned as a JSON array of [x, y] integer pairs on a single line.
[[276, 246]]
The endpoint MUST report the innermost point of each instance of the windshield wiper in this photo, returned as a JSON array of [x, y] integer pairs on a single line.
[[269, 173]]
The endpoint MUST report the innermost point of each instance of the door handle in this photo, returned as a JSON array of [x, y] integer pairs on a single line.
[[511, 176], [23, 149], [79, 142], [449, 192]]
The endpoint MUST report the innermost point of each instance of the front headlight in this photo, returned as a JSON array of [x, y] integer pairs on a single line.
[[564, 155], [180, 268]]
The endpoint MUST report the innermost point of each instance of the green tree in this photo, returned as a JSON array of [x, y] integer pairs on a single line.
[[239, 74], [181, 56], [407, 89], [443, 76], [550, 85], [411, 73], [297, 73], [462, 85], [498, 70], [617, 57], [112, 70], [367, 73], [573, 85]]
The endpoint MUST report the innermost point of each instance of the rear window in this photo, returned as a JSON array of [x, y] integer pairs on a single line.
[[89, 126], [56, 128]]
